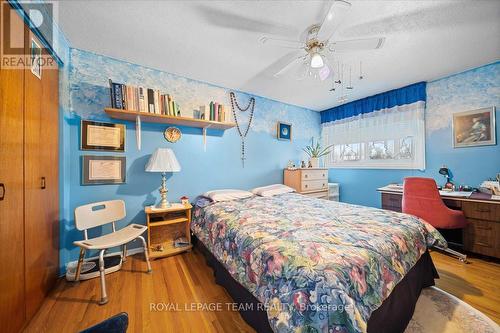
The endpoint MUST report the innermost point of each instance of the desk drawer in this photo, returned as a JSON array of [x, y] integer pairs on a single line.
[[392, 201], [483, 237], [314, 174], [481, 211], [314, 185]]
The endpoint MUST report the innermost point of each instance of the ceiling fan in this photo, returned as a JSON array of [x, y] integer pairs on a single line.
[[314, 53]]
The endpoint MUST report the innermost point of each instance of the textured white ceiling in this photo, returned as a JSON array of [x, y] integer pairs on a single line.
[[217, 41]]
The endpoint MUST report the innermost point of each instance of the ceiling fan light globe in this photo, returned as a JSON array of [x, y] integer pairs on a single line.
[[316, 61]]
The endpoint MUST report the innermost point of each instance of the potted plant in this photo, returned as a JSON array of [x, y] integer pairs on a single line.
[[315, 151]]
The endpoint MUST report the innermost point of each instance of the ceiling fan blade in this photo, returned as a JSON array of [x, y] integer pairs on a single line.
[[291, 44], [336, 14], [357, 45], [288, 67], [222, 18]]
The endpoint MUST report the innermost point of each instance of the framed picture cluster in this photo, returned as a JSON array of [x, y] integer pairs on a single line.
[[100, 169]]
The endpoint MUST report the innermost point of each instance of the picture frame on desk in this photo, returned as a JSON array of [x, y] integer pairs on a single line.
[[474, 128], [102, 136], [103, 170]]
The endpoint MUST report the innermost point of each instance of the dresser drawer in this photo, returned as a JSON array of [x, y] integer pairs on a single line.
[[315, 174], [319, 195], [483, 237], [482, 211], [314, 185]]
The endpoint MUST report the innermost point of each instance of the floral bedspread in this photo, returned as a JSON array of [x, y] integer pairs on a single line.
[[316, 265]]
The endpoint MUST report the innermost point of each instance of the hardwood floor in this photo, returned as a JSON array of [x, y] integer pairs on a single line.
[[186, 279]]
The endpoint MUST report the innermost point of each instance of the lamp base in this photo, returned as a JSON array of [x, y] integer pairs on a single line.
[[163, 193]]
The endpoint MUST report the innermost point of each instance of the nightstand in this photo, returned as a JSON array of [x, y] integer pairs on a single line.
[[166, 225], [312, 182]]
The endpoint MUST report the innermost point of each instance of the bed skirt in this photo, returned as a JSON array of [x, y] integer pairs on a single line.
[[391, 317]]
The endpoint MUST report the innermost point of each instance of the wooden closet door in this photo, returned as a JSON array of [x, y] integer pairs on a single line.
[[41, 183], [12, 306]]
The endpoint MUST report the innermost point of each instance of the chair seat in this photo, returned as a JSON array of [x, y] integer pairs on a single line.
[[117, 238]]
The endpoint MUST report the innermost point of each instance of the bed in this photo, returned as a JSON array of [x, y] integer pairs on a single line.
[[302, 264]]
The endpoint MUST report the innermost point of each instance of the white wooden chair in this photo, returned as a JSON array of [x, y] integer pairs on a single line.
[[100, 213]]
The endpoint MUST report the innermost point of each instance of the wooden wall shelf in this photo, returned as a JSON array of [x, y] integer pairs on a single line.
[[156, 118]]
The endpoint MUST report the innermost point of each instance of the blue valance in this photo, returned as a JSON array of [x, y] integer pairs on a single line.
[[406, 95]]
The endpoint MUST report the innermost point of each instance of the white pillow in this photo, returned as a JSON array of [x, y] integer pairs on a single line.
[[270, 190], [226, 195]]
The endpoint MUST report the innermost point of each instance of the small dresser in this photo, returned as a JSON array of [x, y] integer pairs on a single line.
[[308, 181]]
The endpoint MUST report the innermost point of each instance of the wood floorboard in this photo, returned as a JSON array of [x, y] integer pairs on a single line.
[[186, 279]]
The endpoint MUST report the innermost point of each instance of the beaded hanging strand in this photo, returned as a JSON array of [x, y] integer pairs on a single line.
[[251, 106]]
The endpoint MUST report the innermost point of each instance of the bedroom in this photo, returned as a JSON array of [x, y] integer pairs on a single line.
[[271, 166]]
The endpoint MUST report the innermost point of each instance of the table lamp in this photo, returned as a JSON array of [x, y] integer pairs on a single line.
[[163, 160]]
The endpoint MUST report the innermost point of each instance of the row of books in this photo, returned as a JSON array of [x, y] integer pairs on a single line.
[[142, 99], [217, 112]]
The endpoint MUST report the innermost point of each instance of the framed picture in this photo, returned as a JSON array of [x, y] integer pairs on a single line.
[[36, 59], [102, 136], [103, 170], [474, 128], [284, 131]]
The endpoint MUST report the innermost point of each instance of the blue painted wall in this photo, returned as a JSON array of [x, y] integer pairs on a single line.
[[217, 167], [469, 90]]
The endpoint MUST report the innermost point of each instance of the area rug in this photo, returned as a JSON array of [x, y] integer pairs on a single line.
[[440, 312]]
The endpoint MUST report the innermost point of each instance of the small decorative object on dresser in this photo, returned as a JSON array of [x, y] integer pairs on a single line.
[[163, 160], [168, 230], [284, 131], [315, 151], [308, 181]]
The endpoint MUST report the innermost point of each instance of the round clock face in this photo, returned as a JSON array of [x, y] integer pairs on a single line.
[[284, 131], [172, 134]]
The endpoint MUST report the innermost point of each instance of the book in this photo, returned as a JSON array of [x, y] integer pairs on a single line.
[[116, 95], [216, 111], [151, 101], [157, 101], [167, 105], [142, 99], [211, 117]]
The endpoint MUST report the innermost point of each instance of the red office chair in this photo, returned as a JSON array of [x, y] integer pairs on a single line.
[[421, 198]]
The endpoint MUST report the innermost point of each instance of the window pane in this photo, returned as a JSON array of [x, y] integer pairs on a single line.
[[381, 150], [406, 148], [350, 152]]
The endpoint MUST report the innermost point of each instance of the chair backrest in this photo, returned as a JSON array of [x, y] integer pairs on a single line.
[[421, 198], [99, 213]]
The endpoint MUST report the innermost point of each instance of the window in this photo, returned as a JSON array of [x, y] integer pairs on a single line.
[[384, 139]]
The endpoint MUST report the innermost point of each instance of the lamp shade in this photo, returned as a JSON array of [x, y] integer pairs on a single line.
[[163, 160]]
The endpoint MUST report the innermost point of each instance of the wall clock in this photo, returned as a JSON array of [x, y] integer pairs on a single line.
[[172, 134]]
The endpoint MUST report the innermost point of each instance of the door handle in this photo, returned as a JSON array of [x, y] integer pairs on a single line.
[[2, 195], [43, 183]]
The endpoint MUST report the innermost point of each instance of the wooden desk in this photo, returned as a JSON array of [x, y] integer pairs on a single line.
[[482, 234]]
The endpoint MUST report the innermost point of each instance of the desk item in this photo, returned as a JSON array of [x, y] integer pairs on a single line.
[[163, 160], [495, 197], [447, 174], [490, 187], [168, 230], [461, 194], [312, 182], [421, 198], [98, 214], [482, 211]]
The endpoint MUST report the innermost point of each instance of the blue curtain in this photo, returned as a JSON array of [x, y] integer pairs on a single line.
[[406, 95]]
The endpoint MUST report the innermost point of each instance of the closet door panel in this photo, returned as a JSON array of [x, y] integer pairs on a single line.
[[12, 306], [41, 184]]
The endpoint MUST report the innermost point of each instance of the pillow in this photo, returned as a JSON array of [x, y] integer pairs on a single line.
[[226, 195], [270, 190]]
